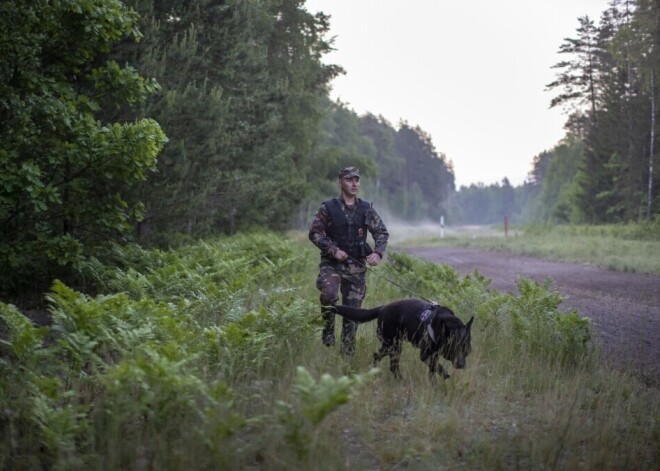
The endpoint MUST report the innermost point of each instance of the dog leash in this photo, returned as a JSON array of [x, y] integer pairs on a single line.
[[393, 282]]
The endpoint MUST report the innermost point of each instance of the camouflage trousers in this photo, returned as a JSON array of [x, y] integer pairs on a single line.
[[350, 280]]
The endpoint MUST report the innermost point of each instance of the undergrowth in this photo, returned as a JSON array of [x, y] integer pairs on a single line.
[[208, 357]]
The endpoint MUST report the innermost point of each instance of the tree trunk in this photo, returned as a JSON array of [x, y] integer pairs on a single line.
[[651, 149]]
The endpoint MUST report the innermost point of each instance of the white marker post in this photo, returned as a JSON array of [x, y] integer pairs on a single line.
[[442, 227]]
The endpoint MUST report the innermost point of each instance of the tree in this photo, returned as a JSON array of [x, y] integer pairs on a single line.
[[405, 176], [614, 173], [243, 87], [390, 163], [339, 143], [64, 173], [579, 76], [425, 169], [555, 172], [612, 74], [646, 57]]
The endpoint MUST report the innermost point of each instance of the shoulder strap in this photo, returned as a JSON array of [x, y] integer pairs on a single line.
[[334, 209], [362, 211], [337, 214]]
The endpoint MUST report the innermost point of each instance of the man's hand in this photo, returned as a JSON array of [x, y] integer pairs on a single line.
[[341, 255], [374, 259]]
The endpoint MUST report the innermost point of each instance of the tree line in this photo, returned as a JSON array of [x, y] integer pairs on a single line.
[[140, 120], [404, 174], [605, 170], [143, 120]]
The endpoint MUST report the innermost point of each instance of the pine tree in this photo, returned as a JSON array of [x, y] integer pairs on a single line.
[[646, 56], [242, 88], [582, 92], [390, 164], [579, 76], [425, 169]]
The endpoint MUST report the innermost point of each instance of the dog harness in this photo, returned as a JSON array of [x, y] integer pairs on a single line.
[[426, 317]]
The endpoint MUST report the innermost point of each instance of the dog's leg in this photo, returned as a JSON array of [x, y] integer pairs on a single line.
[[380, 354], [393, 350], [442, 371], [386, 349], [431, 361], [395, 355], [435, 365], [429, 358]]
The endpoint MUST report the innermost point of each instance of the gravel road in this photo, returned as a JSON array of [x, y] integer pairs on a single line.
[[624, 307]]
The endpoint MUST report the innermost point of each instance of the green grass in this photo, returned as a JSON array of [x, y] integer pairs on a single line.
[[209, 357], [634, 248]]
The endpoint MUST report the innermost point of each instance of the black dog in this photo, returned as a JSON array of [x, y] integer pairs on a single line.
[[434, 329]]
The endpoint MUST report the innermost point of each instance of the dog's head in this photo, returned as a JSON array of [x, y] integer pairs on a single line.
[[457, 342]]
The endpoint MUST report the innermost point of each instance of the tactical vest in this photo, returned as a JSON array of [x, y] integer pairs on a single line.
[[347, 234]]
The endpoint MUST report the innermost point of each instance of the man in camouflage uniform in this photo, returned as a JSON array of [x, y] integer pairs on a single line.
[[339, 229]]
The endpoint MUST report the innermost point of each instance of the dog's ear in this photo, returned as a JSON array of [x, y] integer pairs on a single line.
[[469, 324]]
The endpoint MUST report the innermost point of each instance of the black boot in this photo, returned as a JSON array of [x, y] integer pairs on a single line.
[[328, 334]]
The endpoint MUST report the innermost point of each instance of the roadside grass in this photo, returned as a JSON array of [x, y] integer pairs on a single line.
[[627, 248], [208, 356]]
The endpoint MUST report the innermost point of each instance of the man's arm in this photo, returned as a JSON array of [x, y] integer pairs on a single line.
[[379, 232], [317, 232]]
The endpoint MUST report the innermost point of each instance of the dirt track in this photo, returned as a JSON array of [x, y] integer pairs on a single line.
[[624, 307]]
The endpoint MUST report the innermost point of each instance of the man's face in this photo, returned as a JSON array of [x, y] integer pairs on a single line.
[[349, 186]]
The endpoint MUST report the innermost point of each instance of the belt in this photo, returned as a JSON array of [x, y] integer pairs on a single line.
[[352, 264]]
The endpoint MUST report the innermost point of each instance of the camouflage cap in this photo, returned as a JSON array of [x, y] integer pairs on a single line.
[[349, 172]]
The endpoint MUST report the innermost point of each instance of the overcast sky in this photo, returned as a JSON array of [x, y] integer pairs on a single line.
[[471, 73]]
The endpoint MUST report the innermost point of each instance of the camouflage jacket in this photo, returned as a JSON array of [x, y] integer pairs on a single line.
[[322, 221]]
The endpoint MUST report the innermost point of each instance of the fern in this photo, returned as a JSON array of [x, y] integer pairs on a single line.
[[314, 401], [541, 329]]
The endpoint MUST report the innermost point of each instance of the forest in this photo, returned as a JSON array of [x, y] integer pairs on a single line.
[[160, 162], [151, 121]]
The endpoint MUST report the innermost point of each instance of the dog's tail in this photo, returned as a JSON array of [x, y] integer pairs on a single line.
[[356, 314]]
